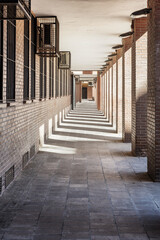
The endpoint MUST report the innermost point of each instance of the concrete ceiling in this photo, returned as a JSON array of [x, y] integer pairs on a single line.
[[89, 28]]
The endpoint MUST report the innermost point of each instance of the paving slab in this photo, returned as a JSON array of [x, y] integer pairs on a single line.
[[99, 191]]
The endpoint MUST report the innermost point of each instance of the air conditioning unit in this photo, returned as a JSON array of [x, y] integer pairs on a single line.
[[47, 36], [64, 60], [15, 9], [77, 78], [95, 80], [90, 84]]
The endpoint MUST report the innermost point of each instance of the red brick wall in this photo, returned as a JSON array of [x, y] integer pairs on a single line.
[[153, 111], [89, 93], [119, 91], [20, 122], [78, 92], [115, 96], [98, 91], [139, 88], [126, 89]]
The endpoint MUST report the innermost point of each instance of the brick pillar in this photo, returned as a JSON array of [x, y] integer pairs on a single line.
[[80, 92], [102, 93], [119, 91], [139, 88], [110, 93], [98, 91], [126, 89], [153, 108], [105, 95], [114, 96]]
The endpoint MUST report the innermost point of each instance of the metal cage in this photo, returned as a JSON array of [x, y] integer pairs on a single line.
[[64, 60], [47, 36], [77, 78], [15, 9]]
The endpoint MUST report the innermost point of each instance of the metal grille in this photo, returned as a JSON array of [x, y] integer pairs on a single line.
[[11, 48], [33, 52], [25, 159], [9, 176], [23, 9], [32, 151], [48, 36], [65, 60]]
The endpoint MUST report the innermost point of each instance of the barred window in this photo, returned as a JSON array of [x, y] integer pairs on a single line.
[[33, 51], [41, 78], [57, 78], [61, 82], [11, 49], [45, 77], [26, 60], [52, 78]]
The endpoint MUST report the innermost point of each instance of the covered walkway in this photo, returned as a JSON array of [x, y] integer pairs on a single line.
[[83, 184]]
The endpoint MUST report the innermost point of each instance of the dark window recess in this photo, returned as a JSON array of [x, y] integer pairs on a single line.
[[1, 58], [61, 82], [47, 35], [41, 86], [26, 60], [11, 47], [45, 78], [33, 30], [26, 28], [11, 11], [25, 160], [32, 84], [50, 78], [57, 83], [33, 51], [33, 48], [9, 176], [64, 83], [26, 83], [32, 151], [0, 185], [41, 77]]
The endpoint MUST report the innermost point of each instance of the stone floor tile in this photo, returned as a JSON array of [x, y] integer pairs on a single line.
[[101, 192], [105, 238], [47, 237]]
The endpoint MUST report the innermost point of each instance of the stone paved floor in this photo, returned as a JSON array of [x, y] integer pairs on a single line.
[[84, 184]]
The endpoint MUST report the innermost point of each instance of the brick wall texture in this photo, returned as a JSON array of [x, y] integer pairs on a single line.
[[153, 102], [139, 88], [126, 89], [19, 121]]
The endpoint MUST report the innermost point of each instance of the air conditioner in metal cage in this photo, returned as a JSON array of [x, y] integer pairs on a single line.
[[90, 84], [65, 60], [47, 36], [95, 80], [77, 78], [15, 9]]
